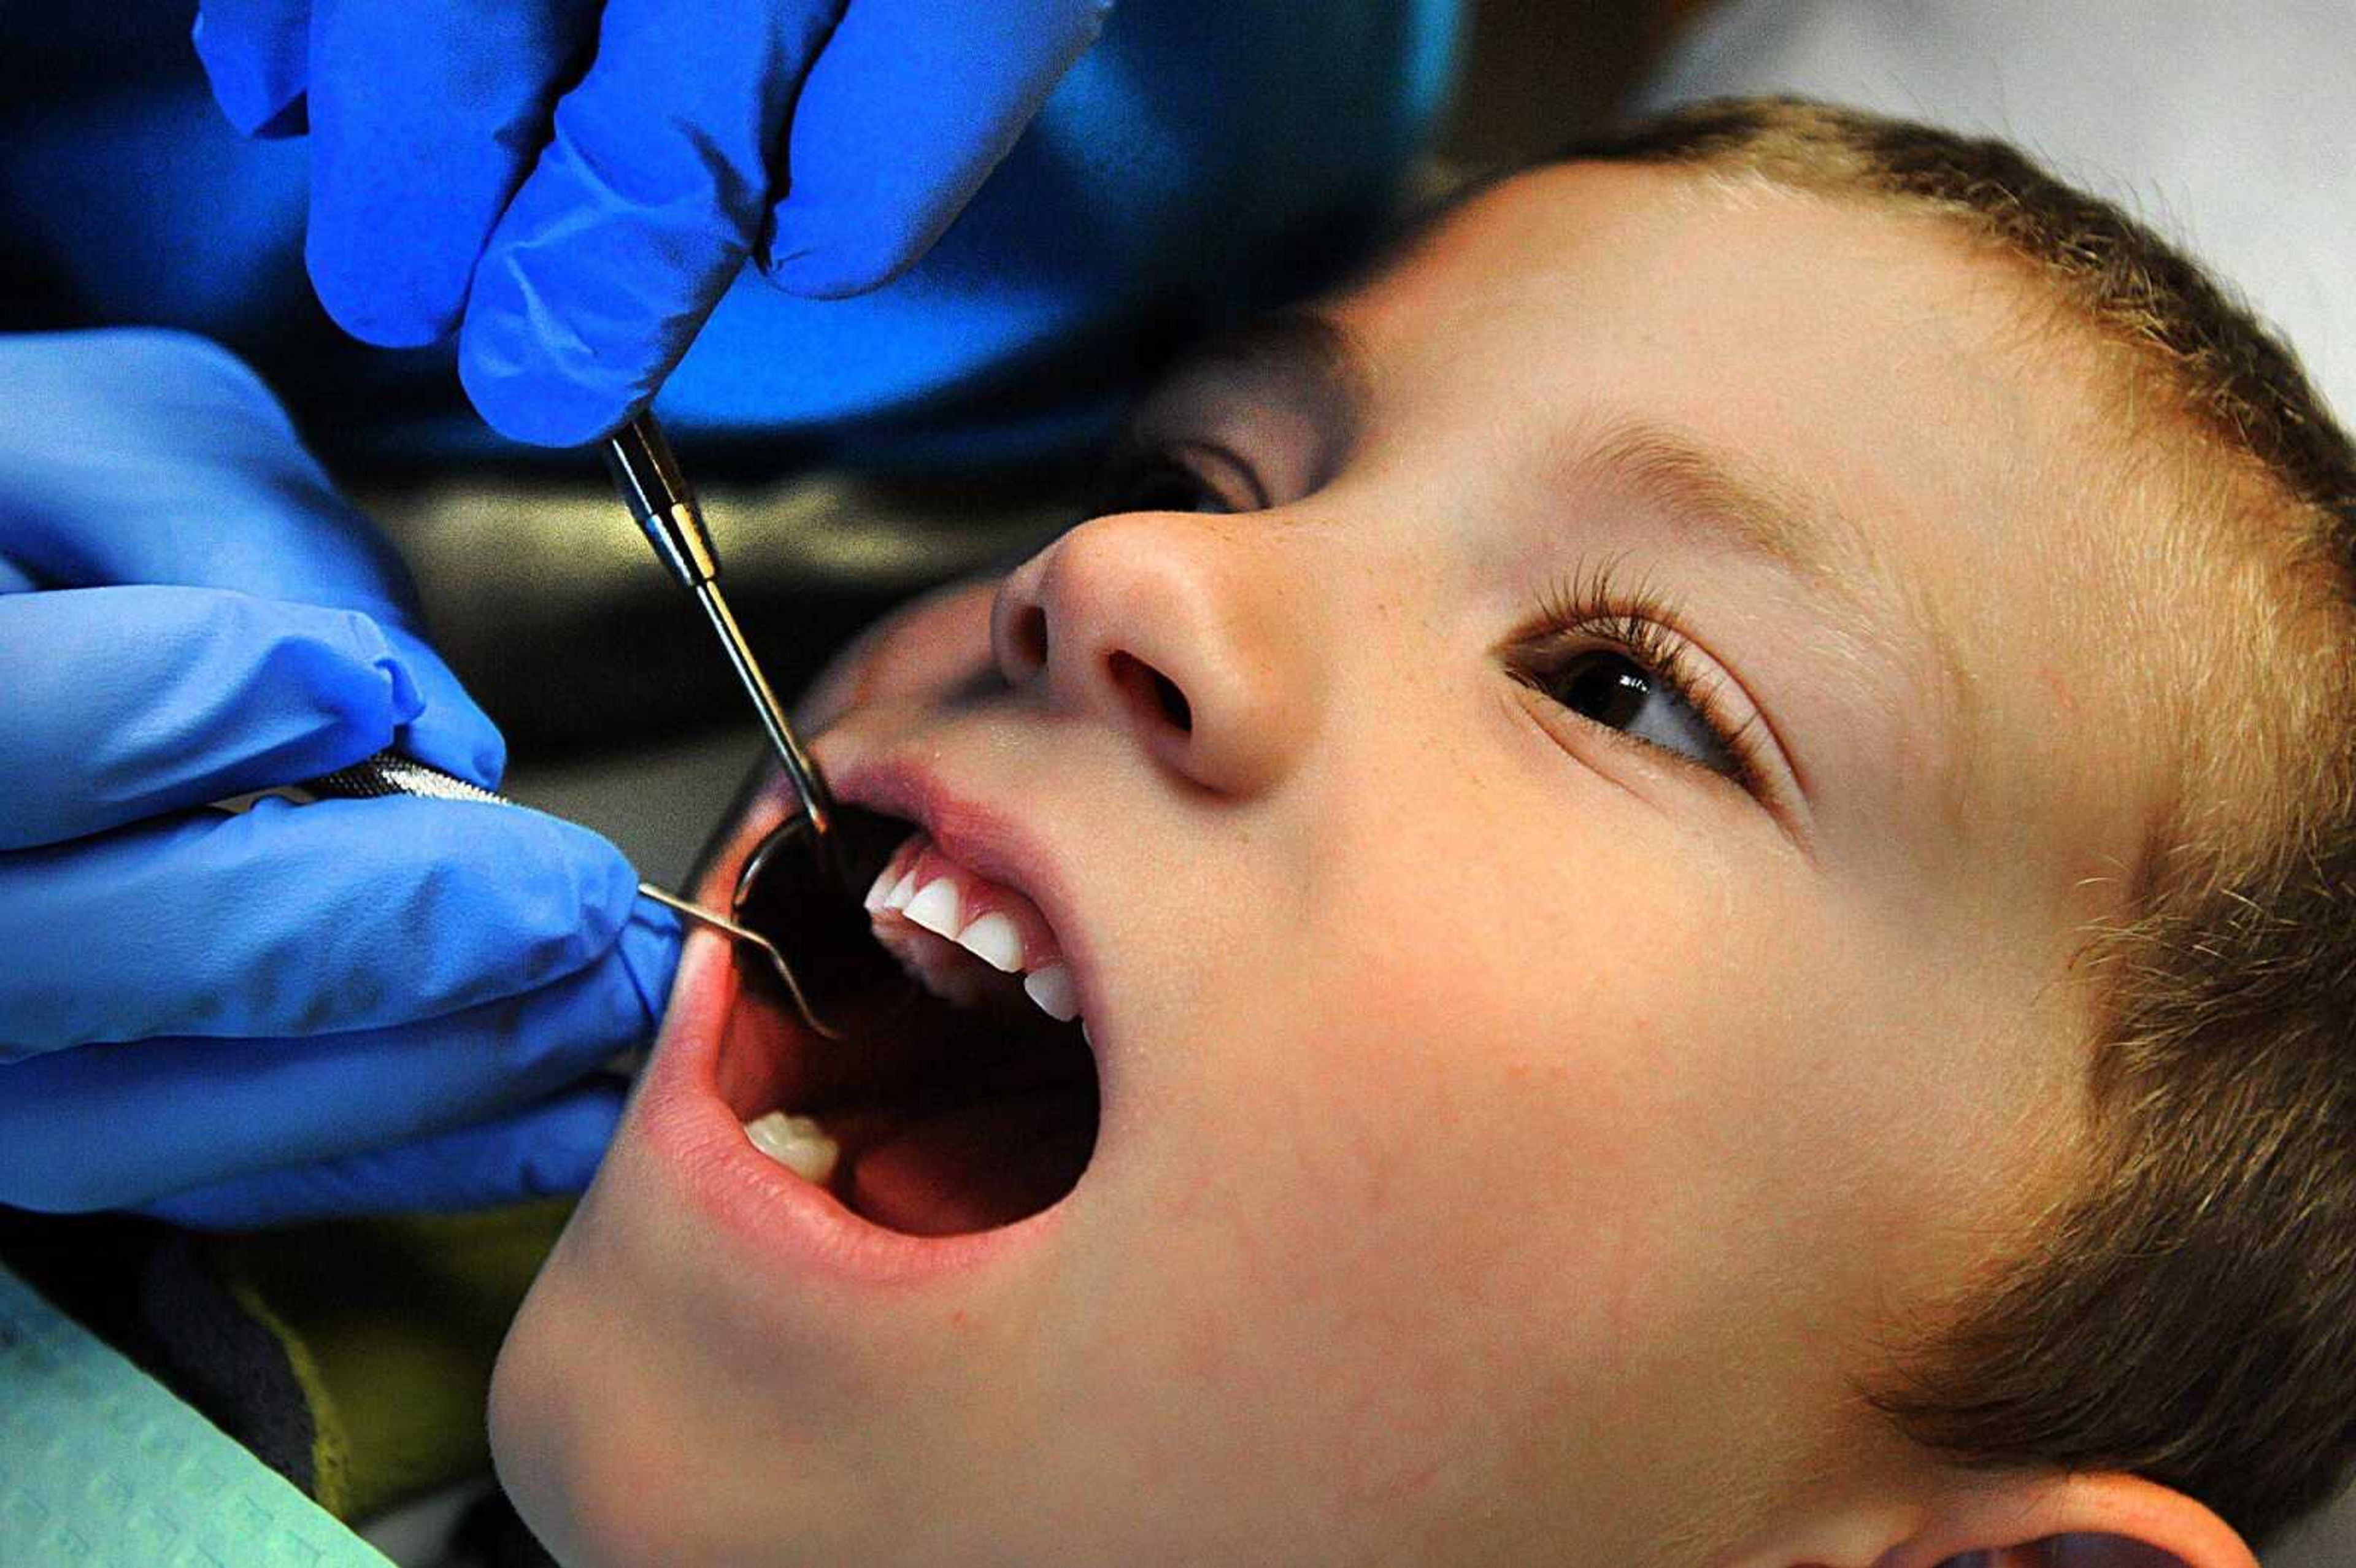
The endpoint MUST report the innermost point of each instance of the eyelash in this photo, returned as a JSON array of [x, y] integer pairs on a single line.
[[1593, 609], [1576, 615], [1131, 459]]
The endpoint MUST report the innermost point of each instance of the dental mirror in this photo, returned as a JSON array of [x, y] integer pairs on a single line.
[[806, 906]]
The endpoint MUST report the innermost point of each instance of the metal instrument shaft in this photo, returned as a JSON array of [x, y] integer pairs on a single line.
[[654, 487]]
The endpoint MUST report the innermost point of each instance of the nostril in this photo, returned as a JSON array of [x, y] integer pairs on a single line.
[[1173, 703], [1152, 690], [1030, 632]]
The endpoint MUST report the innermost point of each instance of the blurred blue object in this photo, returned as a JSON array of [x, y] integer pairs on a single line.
[[1194, 163], [342, 1008]]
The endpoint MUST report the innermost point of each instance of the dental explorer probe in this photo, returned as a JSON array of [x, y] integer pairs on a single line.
[[653, 486], [795, 897]]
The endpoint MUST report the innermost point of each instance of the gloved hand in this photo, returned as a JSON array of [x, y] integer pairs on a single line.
[[349, 1006], [572, 186]]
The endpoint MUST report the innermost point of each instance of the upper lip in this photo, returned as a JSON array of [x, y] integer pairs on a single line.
[[991, 843]]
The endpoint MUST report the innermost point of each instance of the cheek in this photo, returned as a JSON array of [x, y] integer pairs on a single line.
[[1425, 1167], [1532, 1139]]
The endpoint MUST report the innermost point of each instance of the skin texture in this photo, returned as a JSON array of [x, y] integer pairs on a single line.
[[1516, 1137]]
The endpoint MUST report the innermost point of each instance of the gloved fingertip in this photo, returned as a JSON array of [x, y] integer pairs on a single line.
[[385, 706], [530, 377], [464, 744], [452, 732], [650, 950], [570, 1143], [580, 305], [839, 266], [539, 406], [407, 702], [363, 294], [848, 223], [603, 890], [260, 89], [247, 104], [289, 122], [489, 756]]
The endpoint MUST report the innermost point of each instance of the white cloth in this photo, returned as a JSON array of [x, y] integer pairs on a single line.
[[2229, 128]]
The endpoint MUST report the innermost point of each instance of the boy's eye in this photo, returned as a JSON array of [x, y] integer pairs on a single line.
[[1156, 487], [1612, 690], [1142, 478]]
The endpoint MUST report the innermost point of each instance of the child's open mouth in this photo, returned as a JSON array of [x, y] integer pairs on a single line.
[[975, 1107]]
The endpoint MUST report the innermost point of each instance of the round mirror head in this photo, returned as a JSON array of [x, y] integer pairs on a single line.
[[808, 904]]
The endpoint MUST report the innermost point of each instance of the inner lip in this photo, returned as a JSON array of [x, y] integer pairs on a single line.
[[950, 1119]]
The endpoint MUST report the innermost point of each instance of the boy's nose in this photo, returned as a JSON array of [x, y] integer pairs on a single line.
[[1165, 625]]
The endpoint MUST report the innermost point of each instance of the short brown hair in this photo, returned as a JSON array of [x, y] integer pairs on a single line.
[[2187, 1312]]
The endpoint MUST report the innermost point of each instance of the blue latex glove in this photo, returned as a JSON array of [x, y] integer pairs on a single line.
[[572, 186], [341, 1007]]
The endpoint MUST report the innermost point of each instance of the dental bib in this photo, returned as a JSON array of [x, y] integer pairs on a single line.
[[101, 1465]]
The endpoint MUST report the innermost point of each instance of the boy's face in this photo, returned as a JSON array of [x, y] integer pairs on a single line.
[[1521, 1115]]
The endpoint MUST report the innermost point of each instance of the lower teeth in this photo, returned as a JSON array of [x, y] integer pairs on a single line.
[[797, 1142]]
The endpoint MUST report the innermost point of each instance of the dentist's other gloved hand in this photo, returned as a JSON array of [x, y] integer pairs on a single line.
[[571, 184], [349, 1006]]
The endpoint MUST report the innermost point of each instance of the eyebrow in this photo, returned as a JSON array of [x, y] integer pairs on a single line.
[[1762, 514], [1781, 519]]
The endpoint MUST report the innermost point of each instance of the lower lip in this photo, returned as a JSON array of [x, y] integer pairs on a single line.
[[767, 1210]]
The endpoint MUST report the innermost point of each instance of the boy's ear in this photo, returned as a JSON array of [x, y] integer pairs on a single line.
[[2104, 1519]]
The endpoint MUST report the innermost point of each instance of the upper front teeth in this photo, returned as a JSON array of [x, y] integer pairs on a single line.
[[934, 908], [992, 939], [888, 893], [924, 887]]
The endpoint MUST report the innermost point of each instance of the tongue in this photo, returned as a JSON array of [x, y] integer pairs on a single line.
[[977, 1167]]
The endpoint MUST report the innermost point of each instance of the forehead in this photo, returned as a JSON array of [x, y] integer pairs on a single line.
[[1861, 350]]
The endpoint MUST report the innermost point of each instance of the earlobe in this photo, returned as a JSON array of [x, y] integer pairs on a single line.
[[2104, 1519]]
